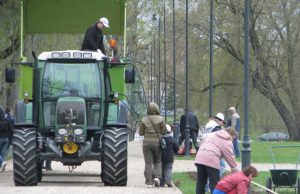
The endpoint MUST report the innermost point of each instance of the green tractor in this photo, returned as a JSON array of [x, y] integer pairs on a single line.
[[70, 112]]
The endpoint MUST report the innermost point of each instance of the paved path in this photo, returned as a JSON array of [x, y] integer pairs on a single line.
[[85, 179]]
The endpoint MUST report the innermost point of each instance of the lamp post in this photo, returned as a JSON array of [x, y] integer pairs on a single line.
[[154, 58], [187, 127], [151, 73], [158, 82], [165, 63], [246, 151], [211, 68], [174, 64]]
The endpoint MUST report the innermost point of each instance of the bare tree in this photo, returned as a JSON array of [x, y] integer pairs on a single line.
[[274, 37]]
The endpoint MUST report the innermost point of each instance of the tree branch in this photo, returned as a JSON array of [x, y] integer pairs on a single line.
[[15, 44]]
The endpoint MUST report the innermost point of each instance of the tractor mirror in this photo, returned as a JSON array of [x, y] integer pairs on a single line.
[[129, 76], [10, 75]]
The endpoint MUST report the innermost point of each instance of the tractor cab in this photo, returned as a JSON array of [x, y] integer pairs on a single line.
[[72, 111]]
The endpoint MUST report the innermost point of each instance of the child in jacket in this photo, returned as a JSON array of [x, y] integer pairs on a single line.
[[167, 157], [237, 182]]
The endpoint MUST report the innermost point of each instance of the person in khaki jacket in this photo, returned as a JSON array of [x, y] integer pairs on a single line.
[[151, 147]]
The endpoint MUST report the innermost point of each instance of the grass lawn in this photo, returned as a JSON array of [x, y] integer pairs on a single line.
[[260, 152], [187, 184]]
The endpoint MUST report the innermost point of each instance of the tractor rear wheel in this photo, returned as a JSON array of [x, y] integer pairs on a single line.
[[114, 161], [24, 157]]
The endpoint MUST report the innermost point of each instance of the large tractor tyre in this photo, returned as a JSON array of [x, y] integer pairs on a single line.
[[40, 170], [114, 161], [24, 157]]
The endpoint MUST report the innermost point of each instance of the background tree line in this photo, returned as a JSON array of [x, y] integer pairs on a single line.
[[274, 65]]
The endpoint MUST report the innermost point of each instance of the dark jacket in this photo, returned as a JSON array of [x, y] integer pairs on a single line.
[[167, 155], [6, 133], [149, 130], [193, 122], [93, 40]]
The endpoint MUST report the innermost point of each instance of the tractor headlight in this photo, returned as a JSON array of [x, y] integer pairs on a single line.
[[78, 131], [62, 131]]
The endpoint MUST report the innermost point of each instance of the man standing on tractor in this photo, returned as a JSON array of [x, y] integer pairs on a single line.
[[93, 38]]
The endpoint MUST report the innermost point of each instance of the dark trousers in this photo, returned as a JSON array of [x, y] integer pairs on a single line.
[[166, 175], [193, 135], [152, 156], [204, 172]]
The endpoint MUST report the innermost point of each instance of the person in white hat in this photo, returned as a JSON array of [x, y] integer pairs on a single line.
[[214, 124], [93, 38]]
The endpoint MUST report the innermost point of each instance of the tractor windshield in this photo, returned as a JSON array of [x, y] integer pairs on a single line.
[[71, 79]]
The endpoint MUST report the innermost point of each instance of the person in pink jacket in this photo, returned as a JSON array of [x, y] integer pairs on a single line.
[[236, 183], [213, 148]]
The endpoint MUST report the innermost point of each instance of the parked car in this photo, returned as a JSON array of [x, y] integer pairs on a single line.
[[274, 136]]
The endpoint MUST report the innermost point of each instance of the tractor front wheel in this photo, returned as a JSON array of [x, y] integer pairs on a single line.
[[114, 161], [24, 157]]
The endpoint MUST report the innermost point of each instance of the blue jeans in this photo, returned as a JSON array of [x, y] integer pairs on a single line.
[[217, 191], [223, 167], [236, 147], [1, 161], [4, 144]]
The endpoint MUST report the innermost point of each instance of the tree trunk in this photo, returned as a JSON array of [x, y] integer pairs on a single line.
[[286, 116]]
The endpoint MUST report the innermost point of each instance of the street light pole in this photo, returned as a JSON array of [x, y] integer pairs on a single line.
[[211, 67], [158, 85], [151, 74], [154, 58], [187, 127], [165, 64], [246, 151], [174, 65], [154, 69]]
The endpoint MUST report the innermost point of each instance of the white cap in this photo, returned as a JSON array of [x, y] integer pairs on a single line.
[[231, 109], [104, 22], [169, 128], [220, 116]]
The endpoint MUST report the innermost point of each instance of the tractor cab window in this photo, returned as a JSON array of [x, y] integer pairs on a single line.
[[76, 79]]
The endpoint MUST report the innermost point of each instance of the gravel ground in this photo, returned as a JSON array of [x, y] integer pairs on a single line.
[[86, 178]]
